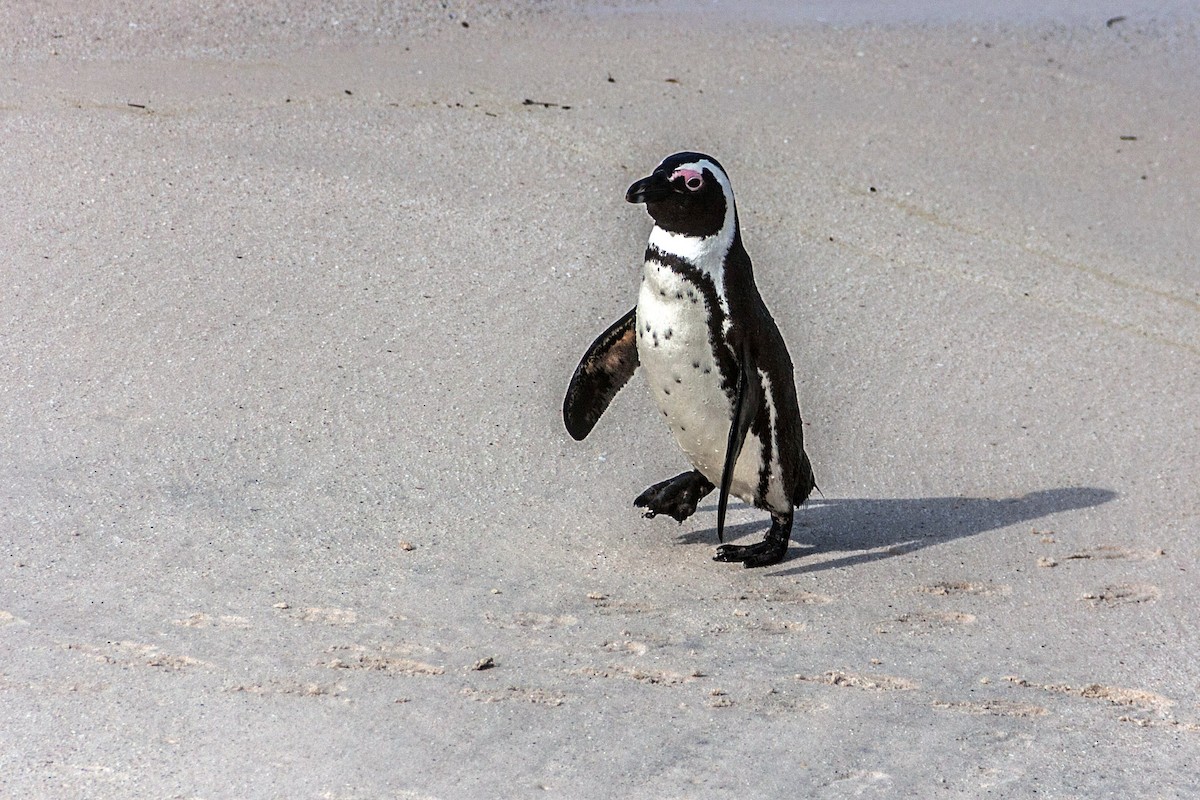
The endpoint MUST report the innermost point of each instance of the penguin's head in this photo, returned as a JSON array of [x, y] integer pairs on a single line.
[[688, 193]]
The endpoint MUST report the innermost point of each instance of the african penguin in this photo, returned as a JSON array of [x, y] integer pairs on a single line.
[[717, 365]]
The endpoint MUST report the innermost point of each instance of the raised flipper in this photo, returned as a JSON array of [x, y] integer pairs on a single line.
[[749, 398], [604, 369]]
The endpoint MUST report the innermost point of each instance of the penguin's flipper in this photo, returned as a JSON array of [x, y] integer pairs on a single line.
[[606, 366], [749, 398]]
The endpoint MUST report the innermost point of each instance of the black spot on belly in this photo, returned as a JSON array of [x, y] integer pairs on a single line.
[[706, 369], [667, 335], [666, 390], [679, 295], [682, 429], [695, 365]]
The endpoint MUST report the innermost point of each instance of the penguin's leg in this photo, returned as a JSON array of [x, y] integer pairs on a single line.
[[770, 550], [676, 497]]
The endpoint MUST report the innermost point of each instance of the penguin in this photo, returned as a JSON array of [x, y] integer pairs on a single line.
[[717, 365]]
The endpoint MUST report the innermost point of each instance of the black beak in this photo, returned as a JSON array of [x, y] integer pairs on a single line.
[[650, 190]]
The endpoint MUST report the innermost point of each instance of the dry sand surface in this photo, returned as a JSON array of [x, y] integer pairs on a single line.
[[290, 300]]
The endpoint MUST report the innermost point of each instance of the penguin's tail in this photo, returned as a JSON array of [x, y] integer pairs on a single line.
[[806, 483]]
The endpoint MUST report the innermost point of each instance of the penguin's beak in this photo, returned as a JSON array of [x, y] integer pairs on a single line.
[[650, 190]]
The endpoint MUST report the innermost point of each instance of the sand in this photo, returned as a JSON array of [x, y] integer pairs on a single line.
[[290, 306]]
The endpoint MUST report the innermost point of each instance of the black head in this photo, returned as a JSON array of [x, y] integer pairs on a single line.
[[688, 193]]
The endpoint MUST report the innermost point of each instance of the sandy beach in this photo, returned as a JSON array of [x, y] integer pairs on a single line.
[[291, 298]]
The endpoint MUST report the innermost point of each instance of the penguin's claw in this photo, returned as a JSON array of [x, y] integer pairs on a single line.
[[764, 554], [676, 497]]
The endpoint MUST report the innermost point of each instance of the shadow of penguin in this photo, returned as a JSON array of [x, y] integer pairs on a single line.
[[870, 530]]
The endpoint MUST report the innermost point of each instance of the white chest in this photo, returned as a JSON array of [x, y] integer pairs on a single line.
[[675, 350]]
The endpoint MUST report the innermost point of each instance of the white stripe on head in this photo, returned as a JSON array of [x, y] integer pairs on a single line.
[[706, 252]]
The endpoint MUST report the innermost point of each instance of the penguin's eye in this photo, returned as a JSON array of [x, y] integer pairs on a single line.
[[692, 180]]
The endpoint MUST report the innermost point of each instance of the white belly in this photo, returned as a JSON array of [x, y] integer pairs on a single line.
[[674, 350]]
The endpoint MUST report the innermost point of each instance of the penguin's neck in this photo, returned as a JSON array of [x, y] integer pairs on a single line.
[[705, 253]]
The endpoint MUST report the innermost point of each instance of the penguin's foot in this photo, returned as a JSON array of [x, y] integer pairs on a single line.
[[676, 497], [770, 550], [763, 554]]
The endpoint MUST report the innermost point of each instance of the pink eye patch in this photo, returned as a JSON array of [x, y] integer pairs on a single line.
[[691, 179]]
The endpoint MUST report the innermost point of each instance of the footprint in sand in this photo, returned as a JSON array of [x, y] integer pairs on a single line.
[[1115, 695], [1111, 552], [998, 708], [604, 604], [520, 694], [1122, 594], [324, 616], [957, 588], [772, 701], [638, 643], [628, 646], [778, 626], [136, 654], [769, 596], [290, 688], [874, 683], [923, 622], [651, 677], [381, 659], [202, 620]]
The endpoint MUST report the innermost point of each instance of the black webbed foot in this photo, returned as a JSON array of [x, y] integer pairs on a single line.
[[770, 550], [676, 497], [763, 554]]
